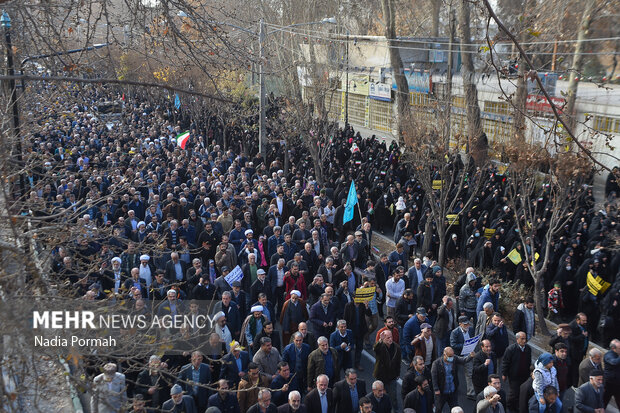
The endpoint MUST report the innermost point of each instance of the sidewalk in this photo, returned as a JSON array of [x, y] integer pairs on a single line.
[[538, 343]]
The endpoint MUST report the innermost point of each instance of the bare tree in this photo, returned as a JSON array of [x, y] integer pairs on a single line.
[[450, 185], [543, 204], [477, 141], [402, 88]]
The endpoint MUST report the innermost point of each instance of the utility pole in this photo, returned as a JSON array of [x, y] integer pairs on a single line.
[[449, 80], [5, 22], [262, 141], [346, 94]]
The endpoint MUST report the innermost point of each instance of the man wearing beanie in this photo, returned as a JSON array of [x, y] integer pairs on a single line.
[[589, 396], [179, 403]]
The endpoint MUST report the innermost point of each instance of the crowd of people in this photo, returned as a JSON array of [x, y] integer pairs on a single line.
[[162, 229]]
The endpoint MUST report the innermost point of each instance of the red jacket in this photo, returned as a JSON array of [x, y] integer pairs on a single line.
[[291, 284]]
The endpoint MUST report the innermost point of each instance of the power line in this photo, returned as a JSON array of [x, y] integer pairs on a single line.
[[482, 43], [385, 45]]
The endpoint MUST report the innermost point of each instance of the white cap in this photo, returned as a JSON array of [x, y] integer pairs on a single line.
[[296, 292], [248, 231], [260, 271], [256, 308], [116, 259], [144, 257], [219, 315]]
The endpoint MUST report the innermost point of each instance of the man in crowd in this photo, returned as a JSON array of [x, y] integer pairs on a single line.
[[485, 363], [321, 398], [387, 365], [516, 368], [589, 396], [263, 403], [458, 336], [179, 401], [348, 392], [380, 403], [194, 379], [224, 400], [446, 379], [294, 404], [323, 361]]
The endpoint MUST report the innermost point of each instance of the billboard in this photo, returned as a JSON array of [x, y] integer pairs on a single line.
[[539, 103], [380, 91], [418, 80], [358, 84], [548, 80]]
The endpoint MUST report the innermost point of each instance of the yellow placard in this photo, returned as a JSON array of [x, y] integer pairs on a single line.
[[437, 183], [489, 232], [453, 219], [596, 285], [514, 256], [501, 169], [363, 295], [536, 256]]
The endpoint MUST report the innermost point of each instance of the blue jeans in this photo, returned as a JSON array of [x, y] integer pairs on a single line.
[[403, 345]]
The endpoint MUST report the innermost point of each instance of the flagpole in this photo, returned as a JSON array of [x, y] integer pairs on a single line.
[[359, 210]]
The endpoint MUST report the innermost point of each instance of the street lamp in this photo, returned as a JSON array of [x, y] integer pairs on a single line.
[[5, 22]]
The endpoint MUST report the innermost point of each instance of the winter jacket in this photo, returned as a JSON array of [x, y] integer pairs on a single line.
[[487, 297], [467, 296], [543, 378]]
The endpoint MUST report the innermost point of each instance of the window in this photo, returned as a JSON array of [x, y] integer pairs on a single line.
[[606, 124], [381, 115], [418, 99], [458, 101], [496, 107]]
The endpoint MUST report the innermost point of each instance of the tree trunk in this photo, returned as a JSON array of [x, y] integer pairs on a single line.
[[478, 145], [435, 17], [529, 8], [316, 160], [441, 259], [539, 298], [428, 235], [448, 100], [518, 125], [577, 66], [401, 100]]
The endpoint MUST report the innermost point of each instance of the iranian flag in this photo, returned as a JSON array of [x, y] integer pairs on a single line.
[[182, 139]]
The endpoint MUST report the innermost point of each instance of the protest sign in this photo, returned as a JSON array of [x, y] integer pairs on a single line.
[[363, 295], [235, 275], [470, 345], [514, 256]]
